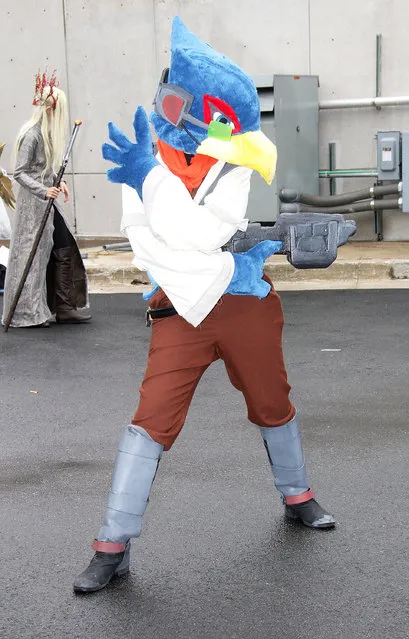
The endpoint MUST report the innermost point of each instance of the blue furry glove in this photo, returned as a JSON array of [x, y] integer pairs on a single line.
[[248, 271], [147, 296], [135, 160]]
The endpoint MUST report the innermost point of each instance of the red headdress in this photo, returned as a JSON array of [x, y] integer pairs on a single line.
[[41, 83]]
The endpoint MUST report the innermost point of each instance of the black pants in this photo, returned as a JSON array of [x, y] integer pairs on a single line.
[[2, 276], [59, 276], [61, 235]]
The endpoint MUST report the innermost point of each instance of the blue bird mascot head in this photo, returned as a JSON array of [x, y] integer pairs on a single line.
[[205, 104]]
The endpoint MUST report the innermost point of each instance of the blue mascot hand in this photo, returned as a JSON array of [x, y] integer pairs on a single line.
[[248, 271], [135, 160], [147, 296]]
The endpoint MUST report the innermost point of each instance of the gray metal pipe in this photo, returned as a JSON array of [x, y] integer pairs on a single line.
[[332, 166], [363, 102], [291, 195], [358, 207], [119, 246], [378, 65], [348, 173]]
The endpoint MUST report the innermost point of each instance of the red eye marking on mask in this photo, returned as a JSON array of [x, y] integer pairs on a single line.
[[172, 106], [212, 104]]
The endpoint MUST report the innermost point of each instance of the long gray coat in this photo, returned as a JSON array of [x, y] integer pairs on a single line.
[[36, 302]]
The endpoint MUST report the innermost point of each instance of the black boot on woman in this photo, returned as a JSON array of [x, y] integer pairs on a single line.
[[65, 312]]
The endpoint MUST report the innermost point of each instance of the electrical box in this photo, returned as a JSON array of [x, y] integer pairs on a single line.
[[289, 118], [405, 172], [388, 155]]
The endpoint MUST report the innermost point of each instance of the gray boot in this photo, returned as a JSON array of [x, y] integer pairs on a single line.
[[284, 450], [112, 561], [135, 469]]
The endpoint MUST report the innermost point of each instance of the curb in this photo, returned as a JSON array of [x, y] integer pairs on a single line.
[[99, 275], [278, 269]]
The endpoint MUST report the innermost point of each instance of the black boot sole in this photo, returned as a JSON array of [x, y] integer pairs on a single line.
[[67, 321], [119, 573]]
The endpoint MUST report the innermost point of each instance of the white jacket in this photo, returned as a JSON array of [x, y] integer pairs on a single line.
[[178, 239]]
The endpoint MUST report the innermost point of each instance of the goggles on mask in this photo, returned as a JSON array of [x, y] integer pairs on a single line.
[[173, 104]]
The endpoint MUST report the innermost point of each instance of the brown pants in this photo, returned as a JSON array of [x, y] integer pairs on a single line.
[[245, 333]]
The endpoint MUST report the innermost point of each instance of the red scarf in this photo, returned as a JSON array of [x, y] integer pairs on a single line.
[[193, 174]]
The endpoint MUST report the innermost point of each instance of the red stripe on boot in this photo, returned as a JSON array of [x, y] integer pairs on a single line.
[[108, 546], [299, 499]]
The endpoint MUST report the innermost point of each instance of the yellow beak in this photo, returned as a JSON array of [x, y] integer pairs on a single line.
[[253, 150]]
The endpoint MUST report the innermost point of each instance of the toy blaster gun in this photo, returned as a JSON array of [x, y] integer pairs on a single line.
[[310, 240]]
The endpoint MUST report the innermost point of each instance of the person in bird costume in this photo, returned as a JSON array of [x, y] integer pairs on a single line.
[[186, 202]]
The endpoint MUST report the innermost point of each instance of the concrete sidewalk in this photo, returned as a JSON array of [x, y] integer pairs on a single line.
[[359, 265]]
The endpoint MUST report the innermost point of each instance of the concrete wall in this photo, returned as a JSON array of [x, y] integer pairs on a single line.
[[109, 55]]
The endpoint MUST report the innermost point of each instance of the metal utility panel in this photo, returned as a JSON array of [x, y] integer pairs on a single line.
[[263, 206], [289, 117], [389, 147], [405, 172], [296, 116]]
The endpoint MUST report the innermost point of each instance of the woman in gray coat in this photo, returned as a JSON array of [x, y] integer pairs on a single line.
[[57, 283]]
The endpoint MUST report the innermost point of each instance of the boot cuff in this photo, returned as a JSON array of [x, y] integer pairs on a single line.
[[108, 546], [299, 499]]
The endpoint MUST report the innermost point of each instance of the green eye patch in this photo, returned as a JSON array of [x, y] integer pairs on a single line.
[[219, 130]]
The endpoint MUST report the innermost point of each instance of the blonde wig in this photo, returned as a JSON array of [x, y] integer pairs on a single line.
[[52, 112]]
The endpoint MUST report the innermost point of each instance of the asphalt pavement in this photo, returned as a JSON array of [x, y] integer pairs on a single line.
[[216, 558]]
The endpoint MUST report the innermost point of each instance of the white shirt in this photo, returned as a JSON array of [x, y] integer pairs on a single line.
[[178, 239]]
